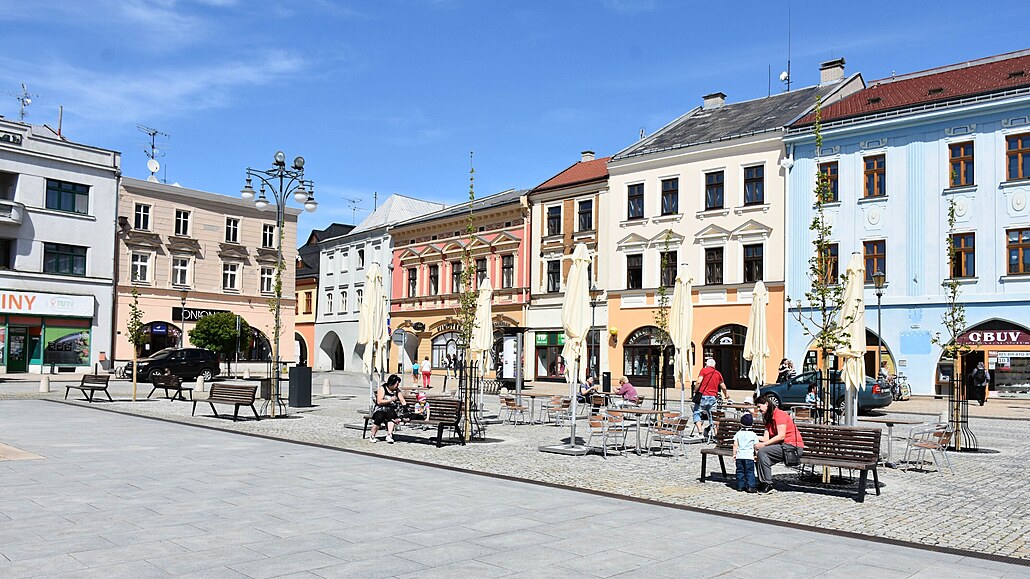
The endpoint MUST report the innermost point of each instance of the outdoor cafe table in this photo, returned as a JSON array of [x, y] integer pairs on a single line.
[[640, 413], [890, 422], [739, 407], [532, 405]]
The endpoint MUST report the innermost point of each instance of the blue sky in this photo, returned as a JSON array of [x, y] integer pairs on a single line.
[[390, 96]]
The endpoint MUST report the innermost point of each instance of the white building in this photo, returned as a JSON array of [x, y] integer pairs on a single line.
[[341, 280], [58, 203]]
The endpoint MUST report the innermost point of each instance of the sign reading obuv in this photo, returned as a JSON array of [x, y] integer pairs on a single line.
[[995, 338], [41, 304]]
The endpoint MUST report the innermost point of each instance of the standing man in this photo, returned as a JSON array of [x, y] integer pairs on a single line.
[[980, 378], [711, 383]]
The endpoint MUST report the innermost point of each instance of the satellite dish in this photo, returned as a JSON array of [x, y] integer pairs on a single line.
[[784, 76], [153, 166], [152, 179]]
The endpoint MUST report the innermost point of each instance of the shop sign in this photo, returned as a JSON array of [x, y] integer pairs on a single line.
[[418, 326], [193, 314], [995, 338], [550, 339], [41, 304]]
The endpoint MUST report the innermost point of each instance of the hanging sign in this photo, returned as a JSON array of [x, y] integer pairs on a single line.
[[995, 338]]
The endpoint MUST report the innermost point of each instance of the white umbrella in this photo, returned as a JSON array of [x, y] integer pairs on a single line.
[[852, 329], [681, 326], [482, 342], [575, 319], [372, 324], [756, 341]]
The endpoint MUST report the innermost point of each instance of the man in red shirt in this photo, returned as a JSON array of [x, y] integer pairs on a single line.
[[710, 383]]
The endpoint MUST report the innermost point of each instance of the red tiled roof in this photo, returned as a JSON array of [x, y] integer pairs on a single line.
[[581, 172], [992, 74]]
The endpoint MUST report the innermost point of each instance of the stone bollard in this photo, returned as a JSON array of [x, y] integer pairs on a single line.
[[246, 373], [44, 384], [200, 384], [327, 389]]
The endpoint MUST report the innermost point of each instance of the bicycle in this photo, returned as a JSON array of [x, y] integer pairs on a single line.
[[123, 372]]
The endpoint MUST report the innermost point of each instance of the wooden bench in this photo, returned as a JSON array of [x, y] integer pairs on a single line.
[[444, 412], [89, 386], [849, 447], [168, 382], [235, 394]]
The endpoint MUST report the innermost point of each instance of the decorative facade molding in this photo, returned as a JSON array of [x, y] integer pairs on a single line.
[[960, 130]]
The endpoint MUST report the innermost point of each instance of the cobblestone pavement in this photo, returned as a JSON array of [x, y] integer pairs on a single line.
[[983, 507], [116, 496]]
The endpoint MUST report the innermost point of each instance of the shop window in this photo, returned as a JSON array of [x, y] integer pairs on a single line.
[[66, 346], [550, 365]]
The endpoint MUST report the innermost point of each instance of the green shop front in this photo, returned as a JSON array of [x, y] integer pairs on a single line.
[[43, 332], [551, 365]]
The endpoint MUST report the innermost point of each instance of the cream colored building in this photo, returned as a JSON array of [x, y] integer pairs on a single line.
[[216, 252]]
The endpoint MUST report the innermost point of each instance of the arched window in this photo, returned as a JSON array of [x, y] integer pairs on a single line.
[[643, 357]]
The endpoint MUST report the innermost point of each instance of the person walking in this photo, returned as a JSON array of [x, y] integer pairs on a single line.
[[427, 369], [414, 374], [980, 378], [711, 383], [780, 443]]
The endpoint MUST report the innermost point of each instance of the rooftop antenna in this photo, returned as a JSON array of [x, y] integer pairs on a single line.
[[785, 75], [355, 206], [642, 133], [24, 100], [153, 152], [375, 200]]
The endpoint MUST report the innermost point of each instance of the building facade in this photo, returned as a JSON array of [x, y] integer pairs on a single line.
[[308, 258], [191, 253], [898, 153], [343, 263], [566, 210], [704, 198], [427, 266], [57, 212]]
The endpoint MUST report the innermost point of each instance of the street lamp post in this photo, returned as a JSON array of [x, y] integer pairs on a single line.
[[595, 293], [282, 182], [183, 294], [878, 280]]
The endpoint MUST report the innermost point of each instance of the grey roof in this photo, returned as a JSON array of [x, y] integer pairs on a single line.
[[395, 209], [731, 120], [308, 254], [495, 200]]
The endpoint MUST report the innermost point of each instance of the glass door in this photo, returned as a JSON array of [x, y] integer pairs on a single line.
[[17, 350]]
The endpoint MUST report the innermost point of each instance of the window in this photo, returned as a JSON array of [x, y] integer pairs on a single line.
[[1019, 250], [232, 230], [875, 258], [308, 299], [267, 274], [141, 217], [361, 258], [182, 222], [6, 256], [480, 271], [329, 302], [554, 276], [434, 280], [829, 172], [267, 235], [554, 220], [634, 271], [586, 215], [754, 185], [344, 260], [961, 164], [140, 267], [61, 258], [231, 276], [360, 294], [964, 258], [829, 265], [668, 266], [412, 282], [63, 196], [670, 196], [753, 262], [635, 201], [713, 265], [1018, 153], [180, 271], [875, 177], [507, 271], [714, 190], [343, 301], [455, 276]]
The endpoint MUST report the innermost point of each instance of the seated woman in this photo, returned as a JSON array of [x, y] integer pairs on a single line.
[[586, 389], [780, 439], [388, 401], [627, 391]]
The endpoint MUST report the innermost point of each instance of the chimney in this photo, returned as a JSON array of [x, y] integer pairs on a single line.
[[587, 156], [714, 100], [831, 71]]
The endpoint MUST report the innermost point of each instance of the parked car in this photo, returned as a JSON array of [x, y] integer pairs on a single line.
[[792, 392], [186, 363]]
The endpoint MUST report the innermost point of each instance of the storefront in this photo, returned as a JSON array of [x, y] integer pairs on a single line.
[[643, 358], [40, 330], [549, 363], [1003, 347]]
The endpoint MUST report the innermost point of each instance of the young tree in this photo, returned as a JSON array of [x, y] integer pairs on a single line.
[[661, 320], [134, 331], [218, 333], [467, 307]]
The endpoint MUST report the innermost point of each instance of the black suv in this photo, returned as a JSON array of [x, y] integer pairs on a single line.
[[187, 363]]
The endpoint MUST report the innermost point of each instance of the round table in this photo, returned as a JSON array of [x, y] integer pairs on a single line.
[[890, 422], [641, 412]]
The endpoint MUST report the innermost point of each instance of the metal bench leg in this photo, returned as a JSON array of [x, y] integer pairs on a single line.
[[235, 412], [66, 391], [876, 481], [89, 396], [213, 409], [255, 412], [364, 429], [722, 465], [109, 399], [704, 464], [861, 485], [152, 390], [439, 436], [194, 413]]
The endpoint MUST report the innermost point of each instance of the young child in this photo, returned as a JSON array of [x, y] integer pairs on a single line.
[[811, 398], [744, 453], [414, 373], [421, 409]]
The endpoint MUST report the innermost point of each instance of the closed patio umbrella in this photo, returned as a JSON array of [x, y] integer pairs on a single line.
[[756, 341], [681, 326], [575, 318], [372, 325], [482, 342], [852, 329]]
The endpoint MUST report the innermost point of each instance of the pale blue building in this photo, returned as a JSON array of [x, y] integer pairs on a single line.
[[896, 152]]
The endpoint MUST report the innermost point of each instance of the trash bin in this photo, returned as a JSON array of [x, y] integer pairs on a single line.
[[606, 381], [300, 386]]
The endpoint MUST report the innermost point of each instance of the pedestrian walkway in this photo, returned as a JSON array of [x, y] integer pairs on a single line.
[[117, 495]]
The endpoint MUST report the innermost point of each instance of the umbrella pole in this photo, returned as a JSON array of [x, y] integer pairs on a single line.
[[683, 397], [572, 435]]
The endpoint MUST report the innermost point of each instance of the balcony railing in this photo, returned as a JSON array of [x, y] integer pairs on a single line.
[[11, 212]]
